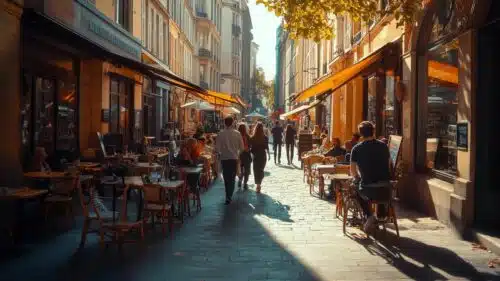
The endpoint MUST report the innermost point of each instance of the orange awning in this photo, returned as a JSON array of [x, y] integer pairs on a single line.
[[222, 99], [443, 72], [291, 114], [337, 80]]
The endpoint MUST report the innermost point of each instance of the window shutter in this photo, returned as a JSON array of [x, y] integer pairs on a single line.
[[160, 40]]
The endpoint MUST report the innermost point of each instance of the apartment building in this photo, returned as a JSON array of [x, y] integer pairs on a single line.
[[208, 34], [231, 30], [246, 52]]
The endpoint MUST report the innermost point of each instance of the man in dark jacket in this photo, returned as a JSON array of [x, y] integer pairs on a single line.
[[277, 133]]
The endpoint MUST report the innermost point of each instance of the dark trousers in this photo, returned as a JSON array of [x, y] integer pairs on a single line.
[[245, 163], [290, 146], [381, 193], [229, 174], [259, 163], [277, 149]]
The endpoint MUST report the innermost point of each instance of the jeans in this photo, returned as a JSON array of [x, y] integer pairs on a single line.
[[259, 163], [245, 163], [277, 148], [381, 192], [229, 174], [290, 146]]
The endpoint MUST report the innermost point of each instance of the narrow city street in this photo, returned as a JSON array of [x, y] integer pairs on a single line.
[[282, 234]]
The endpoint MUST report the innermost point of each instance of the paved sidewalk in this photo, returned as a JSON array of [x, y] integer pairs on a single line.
[[281, 234]]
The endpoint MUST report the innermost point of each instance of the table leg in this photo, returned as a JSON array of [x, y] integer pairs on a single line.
[[114, 203], [140, 206], [321, 185]]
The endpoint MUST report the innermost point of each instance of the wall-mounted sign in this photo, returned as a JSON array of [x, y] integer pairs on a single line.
[[462, 136], [105, 115], [97, 27]]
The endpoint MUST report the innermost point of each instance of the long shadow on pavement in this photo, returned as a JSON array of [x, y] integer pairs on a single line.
[[219, 243], [400, 252]]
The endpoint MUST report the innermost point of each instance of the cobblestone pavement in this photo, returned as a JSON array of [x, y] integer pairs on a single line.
[[282, 234]]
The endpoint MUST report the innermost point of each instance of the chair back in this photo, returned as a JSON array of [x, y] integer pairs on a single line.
[[154, 194], [95, 203], [330, 160], [313, 159], [343, 169]]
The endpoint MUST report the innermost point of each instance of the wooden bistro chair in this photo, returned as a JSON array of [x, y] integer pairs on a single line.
[[391, 211], [62, 196], [157, 204], [114, 230], [339, 169], [311, 174], [350, 204], [90, 218]]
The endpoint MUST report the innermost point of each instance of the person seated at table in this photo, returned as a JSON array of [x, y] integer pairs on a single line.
[[316, 132], [40, 161], [370, 167], [348, 149], [326, 143], [188, 153], [336, 149]]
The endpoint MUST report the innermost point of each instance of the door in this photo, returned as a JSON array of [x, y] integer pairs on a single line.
[[487, 187], [121, 108]]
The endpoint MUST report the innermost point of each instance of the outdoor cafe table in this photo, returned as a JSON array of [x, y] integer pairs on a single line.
[[148, 167], [20, 196], [323, 169], [137, 182], [48, 175]]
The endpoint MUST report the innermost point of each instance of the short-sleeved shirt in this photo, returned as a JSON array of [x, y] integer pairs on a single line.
[[277, 133], [372, 157]]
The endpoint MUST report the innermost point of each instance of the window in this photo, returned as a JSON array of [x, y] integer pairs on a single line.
[[150, 30], [157, 35], [161, 45], [442, 101], [165, 42], [120, 105], [123, 13], [144, 24]]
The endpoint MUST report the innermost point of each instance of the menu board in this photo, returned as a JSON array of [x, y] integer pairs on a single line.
[[462, 136], [394, 148]]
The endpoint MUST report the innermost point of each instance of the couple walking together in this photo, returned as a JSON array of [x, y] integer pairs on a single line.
[[236, 147]]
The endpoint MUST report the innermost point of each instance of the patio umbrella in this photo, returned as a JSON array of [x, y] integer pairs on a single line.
[[255, 115], [200, 105]]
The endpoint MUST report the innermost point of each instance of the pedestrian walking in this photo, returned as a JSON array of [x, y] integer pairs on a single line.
[[259, 145], [245, 157], [229, 145], [290, 135], [277, 133]]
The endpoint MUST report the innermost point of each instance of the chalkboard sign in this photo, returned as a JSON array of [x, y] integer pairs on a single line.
[[462, 136], [394, 148]]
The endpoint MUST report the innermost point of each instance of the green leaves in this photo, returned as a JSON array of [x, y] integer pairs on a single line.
[[311, 19]]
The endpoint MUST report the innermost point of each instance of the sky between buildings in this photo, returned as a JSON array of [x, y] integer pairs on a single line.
[[264, 33]]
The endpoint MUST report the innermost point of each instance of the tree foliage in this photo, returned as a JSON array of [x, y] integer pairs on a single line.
[[264, 88], [312, 19]]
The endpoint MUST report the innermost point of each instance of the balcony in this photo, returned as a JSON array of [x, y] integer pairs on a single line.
[[201, 14], [236, 30], [204, 53], [204, 85], [356, 38]]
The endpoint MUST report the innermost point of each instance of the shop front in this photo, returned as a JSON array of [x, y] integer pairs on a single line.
[[441, 110]]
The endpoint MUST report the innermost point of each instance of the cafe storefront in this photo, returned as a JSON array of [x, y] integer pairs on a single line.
[[73, 84], [442, 147]]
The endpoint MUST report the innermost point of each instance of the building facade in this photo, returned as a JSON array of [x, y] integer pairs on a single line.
[[432, 84], [254, 50], [208, 29], [246, 53], [231, 30], [279, 95]]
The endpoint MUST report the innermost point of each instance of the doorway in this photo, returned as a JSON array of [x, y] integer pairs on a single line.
[[121, 104], [487, 190]]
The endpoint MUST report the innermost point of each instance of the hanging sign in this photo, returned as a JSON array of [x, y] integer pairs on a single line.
[[462, 136]]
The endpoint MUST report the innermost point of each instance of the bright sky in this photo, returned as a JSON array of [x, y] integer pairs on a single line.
[[264, 34]]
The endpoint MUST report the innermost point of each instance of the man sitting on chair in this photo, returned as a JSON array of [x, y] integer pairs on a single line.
[[370, 167]]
